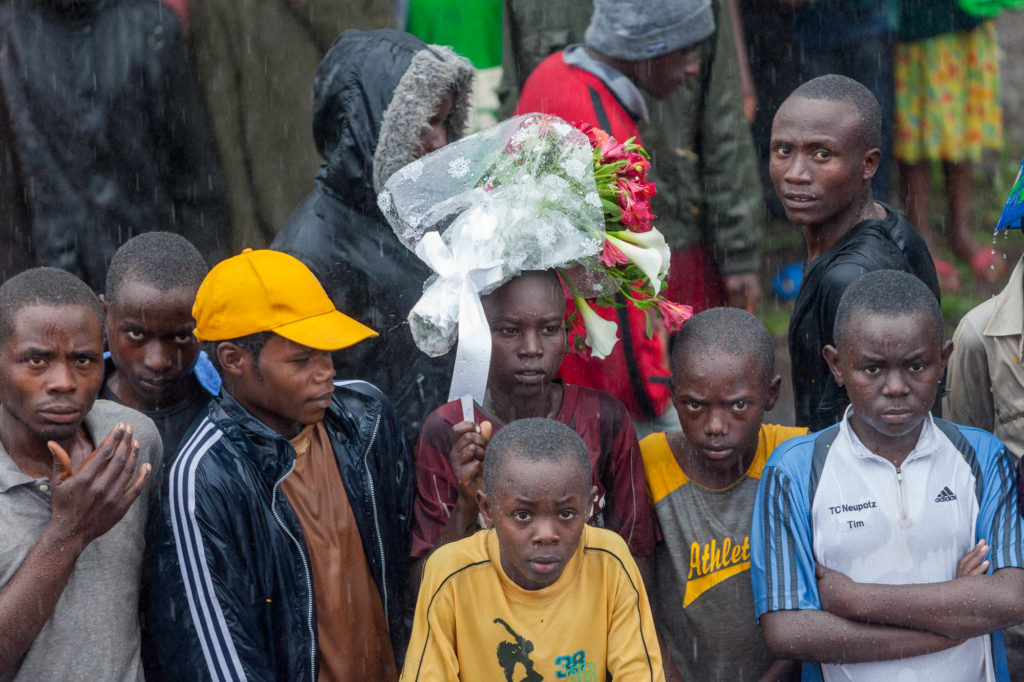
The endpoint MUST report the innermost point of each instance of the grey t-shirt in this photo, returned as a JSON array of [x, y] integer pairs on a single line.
[[93, 633], [703, 601]]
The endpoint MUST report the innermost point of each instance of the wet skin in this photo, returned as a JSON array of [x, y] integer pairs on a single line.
[[528, 342], [819, 166], [51, 369], [891, 367], [538, 511], [720, 400], [287, 387], [149, 332]]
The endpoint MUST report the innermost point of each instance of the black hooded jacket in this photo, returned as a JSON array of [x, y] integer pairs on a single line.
[[375, 92], [101, 135], [229, 591]]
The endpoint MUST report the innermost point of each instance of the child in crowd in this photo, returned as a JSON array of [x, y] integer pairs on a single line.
[[155, 365], [702, 482], [889, 545], [539, 595], [528, 341]]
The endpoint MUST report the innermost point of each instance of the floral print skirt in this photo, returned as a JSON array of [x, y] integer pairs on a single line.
[[947, 97]]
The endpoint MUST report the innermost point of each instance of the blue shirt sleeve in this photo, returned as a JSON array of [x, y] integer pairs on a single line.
[[781, 551], [999, 521]]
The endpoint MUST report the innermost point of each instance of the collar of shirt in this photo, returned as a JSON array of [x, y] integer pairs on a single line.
[[926, 440], [618, 83], [1008, 316]]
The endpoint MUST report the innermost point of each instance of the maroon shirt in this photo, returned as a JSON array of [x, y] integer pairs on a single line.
[[606, 428]]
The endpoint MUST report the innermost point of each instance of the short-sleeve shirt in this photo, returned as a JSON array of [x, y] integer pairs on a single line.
[[702, 564], [826, 498], [93, 632], [608, 432], [474, 624]]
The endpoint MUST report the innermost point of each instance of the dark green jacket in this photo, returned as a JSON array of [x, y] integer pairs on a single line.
[[700, 143], [255, 61]]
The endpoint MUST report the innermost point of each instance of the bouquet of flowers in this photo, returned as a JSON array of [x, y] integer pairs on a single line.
[[531, 193], [634, 254]]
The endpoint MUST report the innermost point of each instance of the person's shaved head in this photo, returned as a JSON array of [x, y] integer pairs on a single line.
[[43, 287], [731, 331], [835, 88]]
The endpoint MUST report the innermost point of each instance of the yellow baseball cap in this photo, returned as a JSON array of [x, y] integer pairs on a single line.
[[270, 291]]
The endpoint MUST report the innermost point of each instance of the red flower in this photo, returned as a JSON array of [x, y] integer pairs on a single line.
[[612, 255], [674, 314], [637, 216]]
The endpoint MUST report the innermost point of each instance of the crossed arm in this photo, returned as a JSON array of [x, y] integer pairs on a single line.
[[862, 622]]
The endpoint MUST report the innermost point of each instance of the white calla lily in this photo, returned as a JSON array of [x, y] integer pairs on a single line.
[[652, 239], [602, 334], [649, 260]]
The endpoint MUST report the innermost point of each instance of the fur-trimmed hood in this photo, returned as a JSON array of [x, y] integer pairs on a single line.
[[374, 95]]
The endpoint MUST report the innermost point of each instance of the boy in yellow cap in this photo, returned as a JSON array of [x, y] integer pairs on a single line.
[[284, 521]]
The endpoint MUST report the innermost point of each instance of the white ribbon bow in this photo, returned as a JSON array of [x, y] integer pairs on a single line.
[[464, 270]]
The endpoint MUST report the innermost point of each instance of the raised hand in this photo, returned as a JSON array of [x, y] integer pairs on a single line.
[[87, 503], [467, 456]]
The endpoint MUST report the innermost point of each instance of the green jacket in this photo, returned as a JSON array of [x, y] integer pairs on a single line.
[[701, 147], [255, 61]]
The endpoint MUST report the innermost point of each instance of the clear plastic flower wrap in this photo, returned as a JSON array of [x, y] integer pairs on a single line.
[[518, 196]]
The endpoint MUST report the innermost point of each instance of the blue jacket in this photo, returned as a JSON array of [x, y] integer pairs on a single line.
[[230, 591]]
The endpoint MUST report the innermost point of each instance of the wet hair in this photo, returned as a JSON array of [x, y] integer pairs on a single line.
[[889, 293], [163, 260], [252, 343], [534, 440], [835, 88], [46, 287], [726, 330]]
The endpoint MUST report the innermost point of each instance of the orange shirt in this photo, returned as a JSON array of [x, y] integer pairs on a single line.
[[351, 626]]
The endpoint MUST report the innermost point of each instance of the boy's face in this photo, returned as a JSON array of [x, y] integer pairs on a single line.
[[664, 74], [721, 400], [528, 338], [288, 386], [538, 511], [891, 368], [51, 369], [817, 161], [151, 343]]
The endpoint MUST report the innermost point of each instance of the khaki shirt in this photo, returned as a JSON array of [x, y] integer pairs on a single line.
[[985, 384]]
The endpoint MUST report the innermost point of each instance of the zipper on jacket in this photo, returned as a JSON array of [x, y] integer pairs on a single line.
[[904, 516], [305, 565], [376, 520]]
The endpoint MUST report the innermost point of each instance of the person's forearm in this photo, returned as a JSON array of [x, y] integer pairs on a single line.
[[461, 523], [823, 637], [962, 608], [28, 599]]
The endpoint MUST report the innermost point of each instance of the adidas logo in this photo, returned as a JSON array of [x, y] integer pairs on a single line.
[[945, 495]]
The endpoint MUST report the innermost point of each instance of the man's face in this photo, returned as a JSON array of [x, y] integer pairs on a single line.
[[721, 400], [151, 342], [538, 512], [288, 387], [436, 135], [891, 368], [528, 337], [817, 162], [663, 75], [51, 369]]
